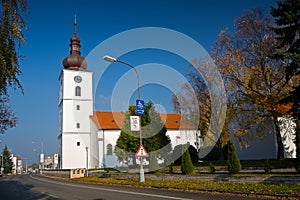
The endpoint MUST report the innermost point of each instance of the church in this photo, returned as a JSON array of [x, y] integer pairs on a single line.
[[87, 138]]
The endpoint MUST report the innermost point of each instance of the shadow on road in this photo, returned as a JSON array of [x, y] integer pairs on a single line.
[[10, 189]]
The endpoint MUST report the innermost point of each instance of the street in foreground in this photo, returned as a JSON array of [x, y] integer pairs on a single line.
[[35, 187]]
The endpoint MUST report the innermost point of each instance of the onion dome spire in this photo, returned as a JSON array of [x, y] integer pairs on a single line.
[[75, 61]]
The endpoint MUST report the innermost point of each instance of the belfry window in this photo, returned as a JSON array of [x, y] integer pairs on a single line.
[[109, 150], [77, 91]]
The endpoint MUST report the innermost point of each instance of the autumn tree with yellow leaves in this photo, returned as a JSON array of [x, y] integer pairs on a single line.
[[12, 25], [255, 83]]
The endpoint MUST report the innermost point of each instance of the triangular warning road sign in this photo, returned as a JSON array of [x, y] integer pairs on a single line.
[[141, 152]]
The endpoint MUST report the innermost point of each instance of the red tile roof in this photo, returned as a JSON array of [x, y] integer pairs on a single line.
[[106, 120]]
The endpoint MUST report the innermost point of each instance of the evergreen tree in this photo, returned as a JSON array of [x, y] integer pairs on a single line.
[[181, 148], [287, 16], [153, 134], [288, 26], [212, 168], [153, 165], [128, 142], [187, 166], [233, 162], [7, 162]]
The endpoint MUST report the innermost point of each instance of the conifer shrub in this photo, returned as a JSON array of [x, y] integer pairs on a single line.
[[212, 168], [187, 166], [233, 162], [267, 167], [153, 165], [171, 168], [178, 151]]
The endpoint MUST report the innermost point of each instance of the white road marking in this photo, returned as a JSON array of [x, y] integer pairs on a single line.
[[50, 195], [110, 190]]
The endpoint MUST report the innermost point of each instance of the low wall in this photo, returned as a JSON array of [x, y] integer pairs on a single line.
[[77, 173], [65, 173]]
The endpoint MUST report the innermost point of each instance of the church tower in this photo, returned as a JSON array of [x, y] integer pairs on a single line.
[[75, 108]]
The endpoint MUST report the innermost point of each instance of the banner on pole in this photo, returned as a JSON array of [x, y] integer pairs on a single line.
[[135, 123], [139, 107]]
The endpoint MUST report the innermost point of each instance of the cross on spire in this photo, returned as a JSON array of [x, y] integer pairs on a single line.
[[75, 24], [75, 61]]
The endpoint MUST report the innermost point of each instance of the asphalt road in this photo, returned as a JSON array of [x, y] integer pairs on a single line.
[[34, 187]]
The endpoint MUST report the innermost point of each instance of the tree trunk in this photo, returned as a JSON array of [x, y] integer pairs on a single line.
[[220, 150], [297, 144], [296, 115], [134, 164], [280, 147]]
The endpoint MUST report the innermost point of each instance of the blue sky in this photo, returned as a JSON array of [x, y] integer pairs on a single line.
[[50, 25]]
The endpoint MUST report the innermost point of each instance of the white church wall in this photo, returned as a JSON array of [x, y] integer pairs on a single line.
[[266, 148], [180, 137], [74, 150], [75, 116], [101, 147], [69, 84], [177, 137], [110, 137], [94, 148], [258, 149]]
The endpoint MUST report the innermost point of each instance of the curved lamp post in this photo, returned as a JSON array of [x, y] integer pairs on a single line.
[[112, 59]]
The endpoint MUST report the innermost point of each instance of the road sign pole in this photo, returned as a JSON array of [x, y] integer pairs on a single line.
[[111, 59], [141, 153], [139, 107], [142, 174]]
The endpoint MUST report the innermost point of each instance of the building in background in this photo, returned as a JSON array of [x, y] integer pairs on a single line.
[[17, 167]]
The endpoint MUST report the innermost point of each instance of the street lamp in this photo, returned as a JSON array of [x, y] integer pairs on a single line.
[[87, 161], [26, 166], [42, 156], [112, 59]]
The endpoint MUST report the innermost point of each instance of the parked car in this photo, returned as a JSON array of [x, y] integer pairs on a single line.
[[0, 174]]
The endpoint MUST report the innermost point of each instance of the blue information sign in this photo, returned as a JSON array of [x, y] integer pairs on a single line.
[[139, 105]]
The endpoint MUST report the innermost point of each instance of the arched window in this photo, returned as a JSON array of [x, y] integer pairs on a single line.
[[109, 150], [77, 91]]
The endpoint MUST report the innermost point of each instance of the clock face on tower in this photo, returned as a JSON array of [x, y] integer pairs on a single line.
[[77, 79]]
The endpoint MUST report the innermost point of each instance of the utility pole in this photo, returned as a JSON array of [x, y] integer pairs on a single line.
[[87, 161]]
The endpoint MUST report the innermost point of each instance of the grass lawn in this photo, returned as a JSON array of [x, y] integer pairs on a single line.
[[257, 189], [273, 191]]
